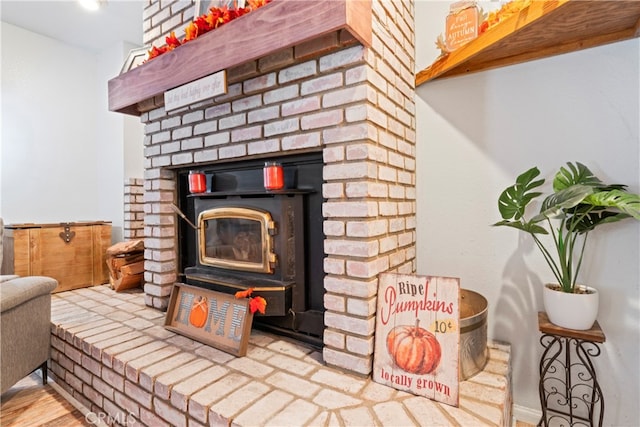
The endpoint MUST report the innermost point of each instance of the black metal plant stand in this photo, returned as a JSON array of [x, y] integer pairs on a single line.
[[569, 389]]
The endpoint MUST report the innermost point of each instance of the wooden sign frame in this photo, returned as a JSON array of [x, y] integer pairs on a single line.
[[417, 337], [210, 317]]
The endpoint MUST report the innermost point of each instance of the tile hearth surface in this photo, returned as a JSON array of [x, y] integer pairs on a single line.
[[112, 353]]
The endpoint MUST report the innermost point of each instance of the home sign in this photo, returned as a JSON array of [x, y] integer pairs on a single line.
[[214, 318], [417, 335]]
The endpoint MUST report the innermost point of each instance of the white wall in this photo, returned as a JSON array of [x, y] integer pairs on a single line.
[[475, 134], [62, 150]]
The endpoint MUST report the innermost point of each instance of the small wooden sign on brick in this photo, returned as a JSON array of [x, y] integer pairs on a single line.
[[417, 336], [195, 91]]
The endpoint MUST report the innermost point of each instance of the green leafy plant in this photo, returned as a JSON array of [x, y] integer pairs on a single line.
[[579, 203]]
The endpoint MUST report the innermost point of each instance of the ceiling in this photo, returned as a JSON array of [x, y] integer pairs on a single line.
[[67, 21]]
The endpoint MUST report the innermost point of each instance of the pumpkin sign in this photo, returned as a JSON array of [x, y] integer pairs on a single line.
[[199, 312], [417, 340], [414, 349]]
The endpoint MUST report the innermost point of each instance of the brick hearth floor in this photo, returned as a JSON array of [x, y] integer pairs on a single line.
[[113, 354]]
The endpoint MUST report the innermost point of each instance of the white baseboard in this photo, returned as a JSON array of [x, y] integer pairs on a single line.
[[528, 415]]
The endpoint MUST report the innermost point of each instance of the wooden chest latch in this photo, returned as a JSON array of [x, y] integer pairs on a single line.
[[67, 234]]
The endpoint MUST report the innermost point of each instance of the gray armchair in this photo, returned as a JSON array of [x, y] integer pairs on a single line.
[[25, 327]]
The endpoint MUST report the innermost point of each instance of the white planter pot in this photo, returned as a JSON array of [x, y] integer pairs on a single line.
[[571, 311]]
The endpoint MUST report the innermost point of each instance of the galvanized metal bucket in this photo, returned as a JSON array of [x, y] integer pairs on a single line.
[[473, 333]]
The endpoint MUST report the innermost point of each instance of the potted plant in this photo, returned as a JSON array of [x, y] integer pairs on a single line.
[[578, 204]]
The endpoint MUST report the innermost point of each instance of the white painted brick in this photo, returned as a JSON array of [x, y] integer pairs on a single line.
[[356, 74], [349, 133], [354, 209], [263, 114], [358, 345], [246, 103], [342, 58], [217, 139], [361, 307], [246, 134], [130, 406], [346, 96], [333, 154], [298, 71], [268, 405], [321, 84], [301, 106], [347, 361], [201, 401], [322, 119], [346, 286], [333, 228], [281, 94], [366, 189], [334, 266], [260, 83], [194, 116], [367, 269], [388, 243], [165, 382], [206, 156], [232, 121], [263, 146], [217, 111], [334, 303], [231, 406], [206, 127], [333, 190], [388, 208], [165, 411], [397, 192], [349, 324], [281, 127], [171, 123], [352, 248], [181, 159], [232, 151], [297, 142], [334, 339], [369, 228]]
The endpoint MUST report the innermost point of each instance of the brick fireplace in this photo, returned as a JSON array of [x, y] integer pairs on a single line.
[[345, 92]]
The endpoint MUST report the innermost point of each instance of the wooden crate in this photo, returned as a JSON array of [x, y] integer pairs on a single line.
[[72, 253]]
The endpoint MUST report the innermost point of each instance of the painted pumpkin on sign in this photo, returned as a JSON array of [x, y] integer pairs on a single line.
[[199, 311], [414, 349]]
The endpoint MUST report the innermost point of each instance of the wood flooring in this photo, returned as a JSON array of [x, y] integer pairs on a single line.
[[29, 403]]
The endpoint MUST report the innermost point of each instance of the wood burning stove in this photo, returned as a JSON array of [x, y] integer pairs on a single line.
[[249, 237]]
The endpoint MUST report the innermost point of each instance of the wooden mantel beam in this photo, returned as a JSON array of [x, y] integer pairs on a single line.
[[279, 25]]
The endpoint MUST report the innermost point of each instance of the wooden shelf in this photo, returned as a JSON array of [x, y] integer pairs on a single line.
[[279, 25], [544, 28]]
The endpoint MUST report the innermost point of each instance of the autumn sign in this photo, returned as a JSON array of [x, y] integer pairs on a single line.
[[214, 318], [417, 335]]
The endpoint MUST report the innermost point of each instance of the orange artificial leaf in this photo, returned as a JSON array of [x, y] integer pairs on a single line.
[[172, 40], [254, 4], [191, 32], [244, 294], [258, 304]]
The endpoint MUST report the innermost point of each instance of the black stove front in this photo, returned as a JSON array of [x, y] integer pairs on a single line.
[[271, 241]]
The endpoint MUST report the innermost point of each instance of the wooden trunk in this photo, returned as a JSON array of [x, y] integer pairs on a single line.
[[72, 253]]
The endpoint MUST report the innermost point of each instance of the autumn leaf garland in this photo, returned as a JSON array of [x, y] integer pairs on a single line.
[[216, 17], [255, 303]]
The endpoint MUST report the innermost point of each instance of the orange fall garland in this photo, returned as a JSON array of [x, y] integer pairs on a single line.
[[216, 17]]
